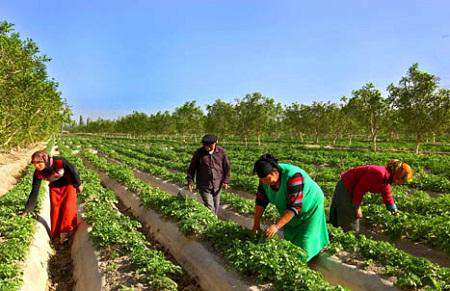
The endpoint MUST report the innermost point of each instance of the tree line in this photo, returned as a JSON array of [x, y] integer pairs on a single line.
[[31, 107], [416, 107]]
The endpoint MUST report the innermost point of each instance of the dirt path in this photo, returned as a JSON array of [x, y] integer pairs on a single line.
[[60, 265], [12, 165], [61, 268], [184, 281]]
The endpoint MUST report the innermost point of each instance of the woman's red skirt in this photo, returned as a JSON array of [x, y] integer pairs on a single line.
[[63, 210]]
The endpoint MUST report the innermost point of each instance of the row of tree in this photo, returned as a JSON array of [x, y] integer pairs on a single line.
[[416, 106], [31, 108]]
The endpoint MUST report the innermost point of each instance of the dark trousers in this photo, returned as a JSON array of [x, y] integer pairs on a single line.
[[211, 199], [342, 211]]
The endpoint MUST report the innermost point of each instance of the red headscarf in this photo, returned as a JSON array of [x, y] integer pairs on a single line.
[[41, 156]]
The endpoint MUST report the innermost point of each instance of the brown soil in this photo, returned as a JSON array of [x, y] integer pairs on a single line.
[[434, 194], [61, 267], [119, 273], [184, 281], [243, 194]]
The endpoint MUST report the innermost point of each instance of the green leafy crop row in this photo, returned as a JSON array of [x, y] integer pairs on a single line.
[[416, 223], [269, 260], [119, 234], [408, 276], [16, 231]]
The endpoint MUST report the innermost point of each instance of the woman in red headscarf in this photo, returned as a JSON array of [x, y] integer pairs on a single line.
[[64, 185]]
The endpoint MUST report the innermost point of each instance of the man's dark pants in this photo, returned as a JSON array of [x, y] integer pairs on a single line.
[[211, 198]]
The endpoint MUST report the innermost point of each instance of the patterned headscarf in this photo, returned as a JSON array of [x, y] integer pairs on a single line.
[[401, 171]]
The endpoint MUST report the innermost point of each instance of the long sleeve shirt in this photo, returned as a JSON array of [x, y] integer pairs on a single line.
[[60, 173], [210, 170], [370, 178], [294, 194]]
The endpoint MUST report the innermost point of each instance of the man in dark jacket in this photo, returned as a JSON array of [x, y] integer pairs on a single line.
[[211, 168]]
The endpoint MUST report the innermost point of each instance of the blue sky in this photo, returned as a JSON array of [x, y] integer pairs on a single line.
[[113, 57]]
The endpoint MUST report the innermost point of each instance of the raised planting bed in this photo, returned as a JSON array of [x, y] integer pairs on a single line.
[[124, 256], [415, 277], [24, 242]]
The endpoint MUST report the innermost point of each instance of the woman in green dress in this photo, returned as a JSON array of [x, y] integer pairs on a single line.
[[299, 201]]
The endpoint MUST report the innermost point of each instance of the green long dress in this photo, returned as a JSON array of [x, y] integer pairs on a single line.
[[308, 229]]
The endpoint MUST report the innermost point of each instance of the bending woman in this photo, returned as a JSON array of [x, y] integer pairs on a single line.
[[64, 185], [345, 209], [299, 201]]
